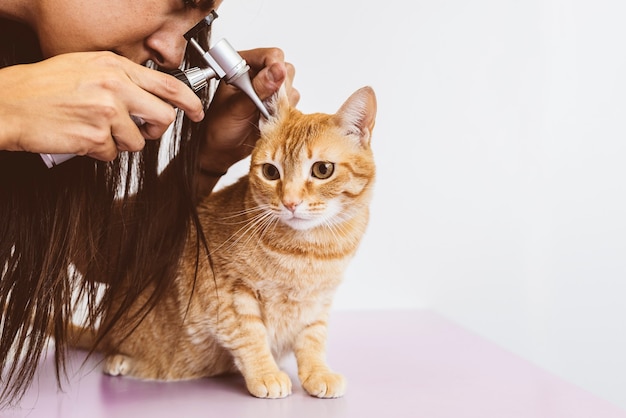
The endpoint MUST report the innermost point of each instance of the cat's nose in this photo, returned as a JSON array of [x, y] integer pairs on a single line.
[[291, 205]]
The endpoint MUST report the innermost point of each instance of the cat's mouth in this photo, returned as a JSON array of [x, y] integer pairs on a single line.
[[299, 221], [294, 217], [302, 218], [299, 224]]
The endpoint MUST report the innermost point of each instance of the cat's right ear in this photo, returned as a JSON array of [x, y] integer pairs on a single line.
[[358, 114], [277, 106]]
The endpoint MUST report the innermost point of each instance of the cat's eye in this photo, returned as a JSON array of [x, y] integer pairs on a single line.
[[271, 172], [323, 169]]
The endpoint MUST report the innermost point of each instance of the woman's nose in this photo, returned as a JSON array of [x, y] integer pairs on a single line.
[[167, 48]]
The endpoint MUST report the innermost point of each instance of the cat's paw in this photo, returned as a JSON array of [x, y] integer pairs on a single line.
[[324, 385], [271, 385], [117, 365]]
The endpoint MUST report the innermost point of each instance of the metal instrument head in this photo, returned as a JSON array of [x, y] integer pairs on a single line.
[[225, 62], [201, 25]]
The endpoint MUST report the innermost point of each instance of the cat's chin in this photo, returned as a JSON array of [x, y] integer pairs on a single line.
[[300, 224]]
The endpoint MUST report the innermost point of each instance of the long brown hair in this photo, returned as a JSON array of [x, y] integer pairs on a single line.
[[65, 231]]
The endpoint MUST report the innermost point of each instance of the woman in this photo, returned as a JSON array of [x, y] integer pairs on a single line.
[[71, 74]]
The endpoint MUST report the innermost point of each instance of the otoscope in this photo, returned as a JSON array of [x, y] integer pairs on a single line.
[[223, 63]]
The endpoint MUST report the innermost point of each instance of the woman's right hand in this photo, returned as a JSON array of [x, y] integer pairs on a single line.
[[81, 103]]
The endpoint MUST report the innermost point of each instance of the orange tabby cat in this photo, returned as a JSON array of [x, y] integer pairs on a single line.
[[280, 240]]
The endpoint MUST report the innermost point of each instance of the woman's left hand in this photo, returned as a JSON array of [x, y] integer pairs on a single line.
[[232, 118]]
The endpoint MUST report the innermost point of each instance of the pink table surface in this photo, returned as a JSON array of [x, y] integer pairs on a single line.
[[398, 364]]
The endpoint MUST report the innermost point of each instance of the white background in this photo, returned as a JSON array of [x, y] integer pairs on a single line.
[[501, 195]]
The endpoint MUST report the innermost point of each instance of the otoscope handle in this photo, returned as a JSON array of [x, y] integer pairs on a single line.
[[55, 159], [52, 160], [195, 78]]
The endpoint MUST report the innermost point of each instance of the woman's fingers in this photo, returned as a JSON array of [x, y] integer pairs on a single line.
[[81, 103]]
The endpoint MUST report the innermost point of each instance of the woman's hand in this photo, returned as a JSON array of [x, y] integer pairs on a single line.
[[81, 104], [232, 118]]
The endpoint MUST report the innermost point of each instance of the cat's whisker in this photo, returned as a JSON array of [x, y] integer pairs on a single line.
[[261, 228], [237, 235], [271, 222], [258, 210], [246, 211], [257, 232], [334, 230], [338, 227], [249, 228], [249, 225]]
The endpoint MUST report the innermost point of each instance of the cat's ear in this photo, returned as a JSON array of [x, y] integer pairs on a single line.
[[358, 114], [277, 106]]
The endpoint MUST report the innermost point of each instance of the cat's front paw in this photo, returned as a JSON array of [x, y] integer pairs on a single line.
[[117, 365], [271, 385], [324, 385]]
